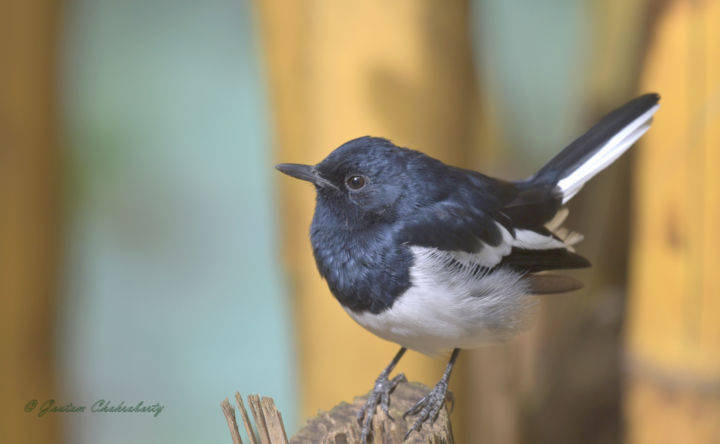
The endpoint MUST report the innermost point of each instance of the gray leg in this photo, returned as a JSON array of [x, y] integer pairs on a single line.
[[381, 394], [429, 406]]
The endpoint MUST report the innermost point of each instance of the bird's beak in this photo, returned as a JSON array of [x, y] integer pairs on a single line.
[[304, 172]]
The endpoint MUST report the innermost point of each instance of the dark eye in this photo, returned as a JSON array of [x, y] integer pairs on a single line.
[[355, 182]]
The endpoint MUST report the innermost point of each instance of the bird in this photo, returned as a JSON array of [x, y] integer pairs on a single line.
[[438, 258]]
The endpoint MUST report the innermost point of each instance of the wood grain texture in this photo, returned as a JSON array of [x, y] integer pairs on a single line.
[[340, 425], [269, 427], [231, 419], [674, 319], [273, 421]]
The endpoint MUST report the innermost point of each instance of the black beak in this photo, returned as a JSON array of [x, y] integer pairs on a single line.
[[304, 172], [298, 171]]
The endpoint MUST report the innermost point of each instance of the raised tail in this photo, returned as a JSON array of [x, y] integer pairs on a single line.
[[598, 148]]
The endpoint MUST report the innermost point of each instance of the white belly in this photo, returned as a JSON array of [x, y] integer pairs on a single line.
[[452, 306]]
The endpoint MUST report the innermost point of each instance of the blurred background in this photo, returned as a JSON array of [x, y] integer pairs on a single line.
[[149, 252]]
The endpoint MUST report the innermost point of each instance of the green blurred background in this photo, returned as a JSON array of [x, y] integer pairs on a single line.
[[149, 252]]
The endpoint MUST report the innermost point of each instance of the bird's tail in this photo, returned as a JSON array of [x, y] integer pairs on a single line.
[[598, 148]]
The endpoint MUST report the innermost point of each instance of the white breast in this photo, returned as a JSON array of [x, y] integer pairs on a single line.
[[452, 304]]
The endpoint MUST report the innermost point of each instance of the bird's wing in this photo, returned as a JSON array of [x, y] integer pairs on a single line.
[[477, 230]]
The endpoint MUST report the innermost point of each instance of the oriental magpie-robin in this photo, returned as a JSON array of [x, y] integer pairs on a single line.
[[435, 257]]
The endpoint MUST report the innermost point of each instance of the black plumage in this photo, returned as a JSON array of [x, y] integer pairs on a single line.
[[433, 256]]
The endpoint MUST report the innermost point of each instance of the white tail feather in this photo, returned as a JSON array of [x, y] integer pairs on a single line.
[[613, 148]]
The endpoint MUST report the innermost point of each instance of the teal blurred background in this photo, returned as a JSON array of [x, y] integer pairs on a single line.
[[171, 289]]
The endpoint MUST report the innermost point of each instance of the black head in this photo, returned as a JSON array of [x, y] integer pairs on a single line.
[[363, 181]]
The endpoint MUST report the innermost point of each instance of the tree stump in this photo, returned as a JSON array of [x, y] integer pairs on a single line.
[[339, 425]]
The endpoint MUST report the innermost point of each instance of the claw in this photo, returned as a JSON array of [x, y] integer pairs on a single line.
[[450, 397], [385, 401], [380, 395], [366, 426], [381, 392], [428, 407]]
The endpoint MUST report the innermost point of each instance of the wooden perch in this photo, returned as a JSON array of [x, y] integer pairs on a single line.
[[339, 425]]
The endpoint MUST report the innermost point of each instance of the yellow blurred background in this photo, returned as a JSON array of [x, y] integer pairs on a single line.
[[149, 252]]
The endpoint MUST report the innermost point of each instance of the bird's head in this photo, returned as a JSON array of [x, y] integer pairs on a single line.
[[361, 182]]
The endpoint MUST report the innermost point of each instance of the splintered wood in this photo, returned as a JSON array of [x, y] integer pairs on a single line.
[[269, 428]]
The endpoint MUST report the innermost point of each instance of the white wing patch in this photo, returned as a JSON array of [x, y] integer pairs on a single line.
[[531, 240], [490, 256]]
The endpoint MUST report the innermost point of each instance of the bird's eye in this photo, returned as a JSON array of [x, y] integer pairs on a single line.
[[355, 182]]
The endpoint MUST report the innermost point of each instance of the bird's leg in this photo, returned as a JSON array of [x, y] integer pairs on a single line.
[[381, 394], [429, 406]]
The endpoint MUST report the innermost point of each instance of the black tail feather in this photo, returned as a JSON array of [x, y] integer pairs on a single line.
[[579, 151]]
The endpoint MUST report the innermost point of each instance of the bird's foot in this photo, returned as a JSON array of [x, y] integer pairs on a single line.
[[429, 406], [380, 394]]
